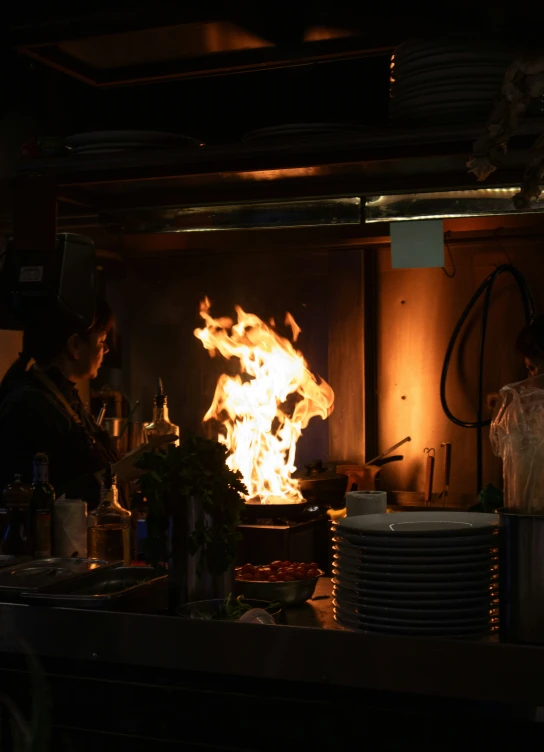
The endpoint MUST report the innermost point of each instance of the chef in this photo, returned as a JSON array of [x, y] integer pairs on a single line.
[[41, 410]]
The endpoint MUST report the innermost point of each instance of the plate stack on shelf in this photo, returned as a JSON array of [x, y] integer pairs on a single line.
[[430, 573], [300, 132], [107, 142], [445, 80]]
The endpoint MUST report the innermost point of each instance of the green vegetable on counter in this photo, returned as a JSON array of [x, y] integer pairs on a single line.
[[490, 499]]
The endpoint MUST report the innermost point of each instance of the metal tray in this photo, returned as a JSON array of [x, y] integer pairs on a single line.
[[9, 560], [35, 574], [135, 589]]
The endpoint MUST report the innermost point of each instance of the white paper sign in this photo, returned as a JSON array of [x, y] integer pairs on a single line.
[[418, 244]]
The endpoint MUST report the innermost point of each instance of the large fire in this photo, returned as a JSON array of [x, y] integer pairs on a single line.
[[265, 407]]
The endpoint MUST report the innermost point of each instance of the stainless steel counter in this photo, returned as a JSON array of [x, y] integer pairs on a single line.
[[325, 655]]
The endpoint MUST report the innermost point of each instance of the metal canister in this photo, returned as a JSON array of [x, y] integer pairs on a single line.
[[42, 534], [522, 578]]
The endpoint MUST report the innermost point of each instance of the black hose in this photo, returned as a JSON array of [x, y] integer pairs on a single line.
[[528, 309]]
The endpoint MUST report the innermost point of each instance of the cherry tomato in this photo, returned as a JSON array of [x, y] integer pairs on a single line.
[[312, 573], [281, 570], [275, 565], [247, 568], [291, 571], [289, 578], [300, 574], [313, 565], [286, 564], [272, 578], [280, 576], [247, 576]]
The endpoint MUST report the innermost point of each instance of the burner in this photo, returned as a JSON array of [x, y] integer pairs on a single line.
[[293, 540]]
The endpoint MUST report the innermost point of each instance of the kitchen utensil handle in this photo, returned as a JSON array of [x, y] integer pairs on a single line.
[[429, 475], [101, 414], [447, 466], [391, 449]]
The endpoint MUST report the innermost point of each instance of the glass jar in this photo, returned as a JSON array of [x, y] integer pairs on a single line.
[[108, 534]]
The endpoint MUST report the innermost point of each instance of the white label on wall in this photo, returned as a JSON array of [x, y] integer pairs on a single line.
[[418, 244], [31, 274]]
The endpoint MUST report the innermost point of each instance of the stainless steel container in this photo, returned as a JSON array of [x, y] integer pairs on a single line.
[[188, 579], [522, 578], [132, 589], [124, 438]]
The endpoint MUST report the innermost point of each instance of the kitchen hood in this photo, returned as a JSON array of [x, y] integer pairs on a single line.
[[480, 202]]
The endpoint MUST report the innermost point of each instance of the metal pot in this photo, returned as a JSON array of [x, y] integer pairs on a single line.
[[322, 485]]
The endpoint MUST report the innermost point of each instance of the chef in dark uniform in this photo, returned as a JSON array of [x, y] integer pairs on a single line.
[[41, 411]]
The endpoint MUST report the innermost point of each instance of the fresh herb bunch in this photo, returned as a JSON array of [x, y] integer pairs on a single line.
[[490, 499], [196, 468]]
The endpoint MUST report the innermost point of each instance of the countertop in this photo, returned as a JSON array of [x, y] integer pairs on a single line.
[[472, 670]]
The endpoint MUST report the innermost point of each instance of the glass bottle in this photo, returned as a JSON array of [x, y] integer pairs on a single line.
[[42, 505], [108, 535], [160, 425], [17, 540]]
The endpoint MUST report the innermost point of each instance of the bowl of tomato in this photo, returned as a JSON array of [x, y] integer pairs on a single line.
[[286, 582]]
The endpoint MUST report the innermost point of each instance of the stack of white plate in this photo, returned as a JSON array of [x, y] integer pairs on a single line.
[[445, 80], [303, 132], [106, 142], [417, 573]]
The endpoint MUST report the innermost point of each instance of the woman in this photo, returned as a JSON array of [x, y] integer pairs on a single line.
[[530, 344], [41, 411], [517, 429]]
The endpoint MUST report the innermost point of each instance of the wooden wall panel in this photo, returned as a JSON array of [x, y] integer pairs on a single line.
[[346, 345], [418, 310]]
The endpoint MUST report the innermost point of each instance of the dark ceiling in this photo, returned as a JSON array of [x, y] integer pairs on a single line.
[[222, 108]]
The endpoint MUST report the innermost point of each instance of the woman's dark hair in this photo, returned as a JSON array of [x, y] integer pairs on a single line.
[[530, 342], [46, 337]]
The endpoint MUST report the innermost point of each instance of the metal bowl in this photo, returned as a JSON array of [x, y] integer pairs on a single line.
[[293, 593]]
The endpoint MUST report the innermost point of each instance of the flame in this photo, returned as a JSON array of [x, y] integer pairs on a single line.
[[265, 407]]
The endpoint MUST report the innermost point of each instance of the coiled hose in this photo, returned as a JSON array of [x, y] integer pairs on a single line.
[[485, 289]]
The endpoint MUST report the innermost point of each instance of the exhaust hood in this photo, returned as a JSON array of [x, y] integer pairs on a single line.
[[480, 202], [251, 215]]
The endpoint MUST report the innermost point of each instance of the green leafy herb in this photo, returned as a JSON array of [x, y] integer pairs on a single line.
[[198, 469], [232, 609], [490, 498]]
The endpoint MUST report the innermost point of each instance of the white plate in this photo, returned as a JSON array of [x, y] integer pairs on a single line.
[[419, 599], [439, 57], [452, 632], [101, 137], [425, 622], [430, 571], [440, 586], [405, 542], [422, 524], [149, 145], [428, 574], [414, 596], [362, 557], [445, 95], [310, 127], [478, 611], [438, 548]]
